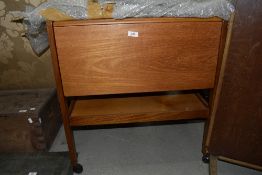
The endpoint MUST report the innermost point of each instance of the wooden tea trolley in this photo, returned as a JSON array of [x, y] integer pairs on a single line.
[[101, 57]]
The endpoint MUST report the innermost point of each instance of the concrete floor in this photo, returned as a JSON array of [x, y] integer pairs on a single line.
[[173, 149]]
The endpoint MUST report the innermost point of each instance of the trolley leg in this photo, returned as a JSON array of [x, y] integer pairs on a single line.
[[77, 168], [62, 100]]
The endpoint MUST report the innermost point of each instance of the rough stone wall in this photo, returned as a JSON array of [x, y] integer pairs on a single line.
[[20, 68]]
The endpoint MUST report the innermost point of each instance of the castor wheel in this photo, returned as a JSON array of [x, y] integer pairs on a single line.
[[205, 158], [78, 168]]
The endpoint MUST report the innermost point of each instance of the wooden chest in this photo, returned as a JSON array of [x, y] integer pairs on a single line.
[[29, 120], [47, 163]]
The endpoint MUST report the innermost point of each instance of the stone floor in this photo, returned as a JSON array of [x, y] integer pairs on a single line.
[[172, 149]]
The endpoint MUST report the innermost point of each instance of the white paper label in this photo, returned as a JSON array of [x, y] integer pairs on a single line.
[[32, 109], [30, 120], [132, 34], [22, 110], [32, 173]]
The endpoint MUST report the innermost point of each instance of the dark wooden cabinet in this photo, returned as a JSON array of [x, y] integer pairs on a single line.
[[235, 131]]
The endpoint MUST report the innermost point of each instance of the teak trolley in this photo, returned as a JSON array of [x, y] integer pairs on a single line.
[[98, 57]]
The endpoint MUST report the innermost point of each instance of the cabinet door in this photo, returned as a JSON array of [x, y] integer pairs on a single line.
[[236, 127], [107, 59]]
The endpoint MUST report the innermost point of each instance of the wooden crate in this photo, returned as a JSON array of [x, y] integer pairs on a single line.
[[29, 120]]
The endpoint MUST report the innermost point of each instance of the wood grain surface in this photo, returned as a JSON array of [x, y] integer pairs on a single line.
[[102, 59], [137, 109]]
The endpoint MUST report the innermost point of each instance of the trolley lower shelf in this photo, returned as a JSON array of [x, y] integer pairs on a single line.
[[137, 109]]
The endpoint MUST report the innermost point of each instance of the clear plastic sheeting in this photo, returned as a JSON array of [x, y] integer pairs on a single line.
[[74, 8], [56, 10], [173, 8], [37, 37]]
